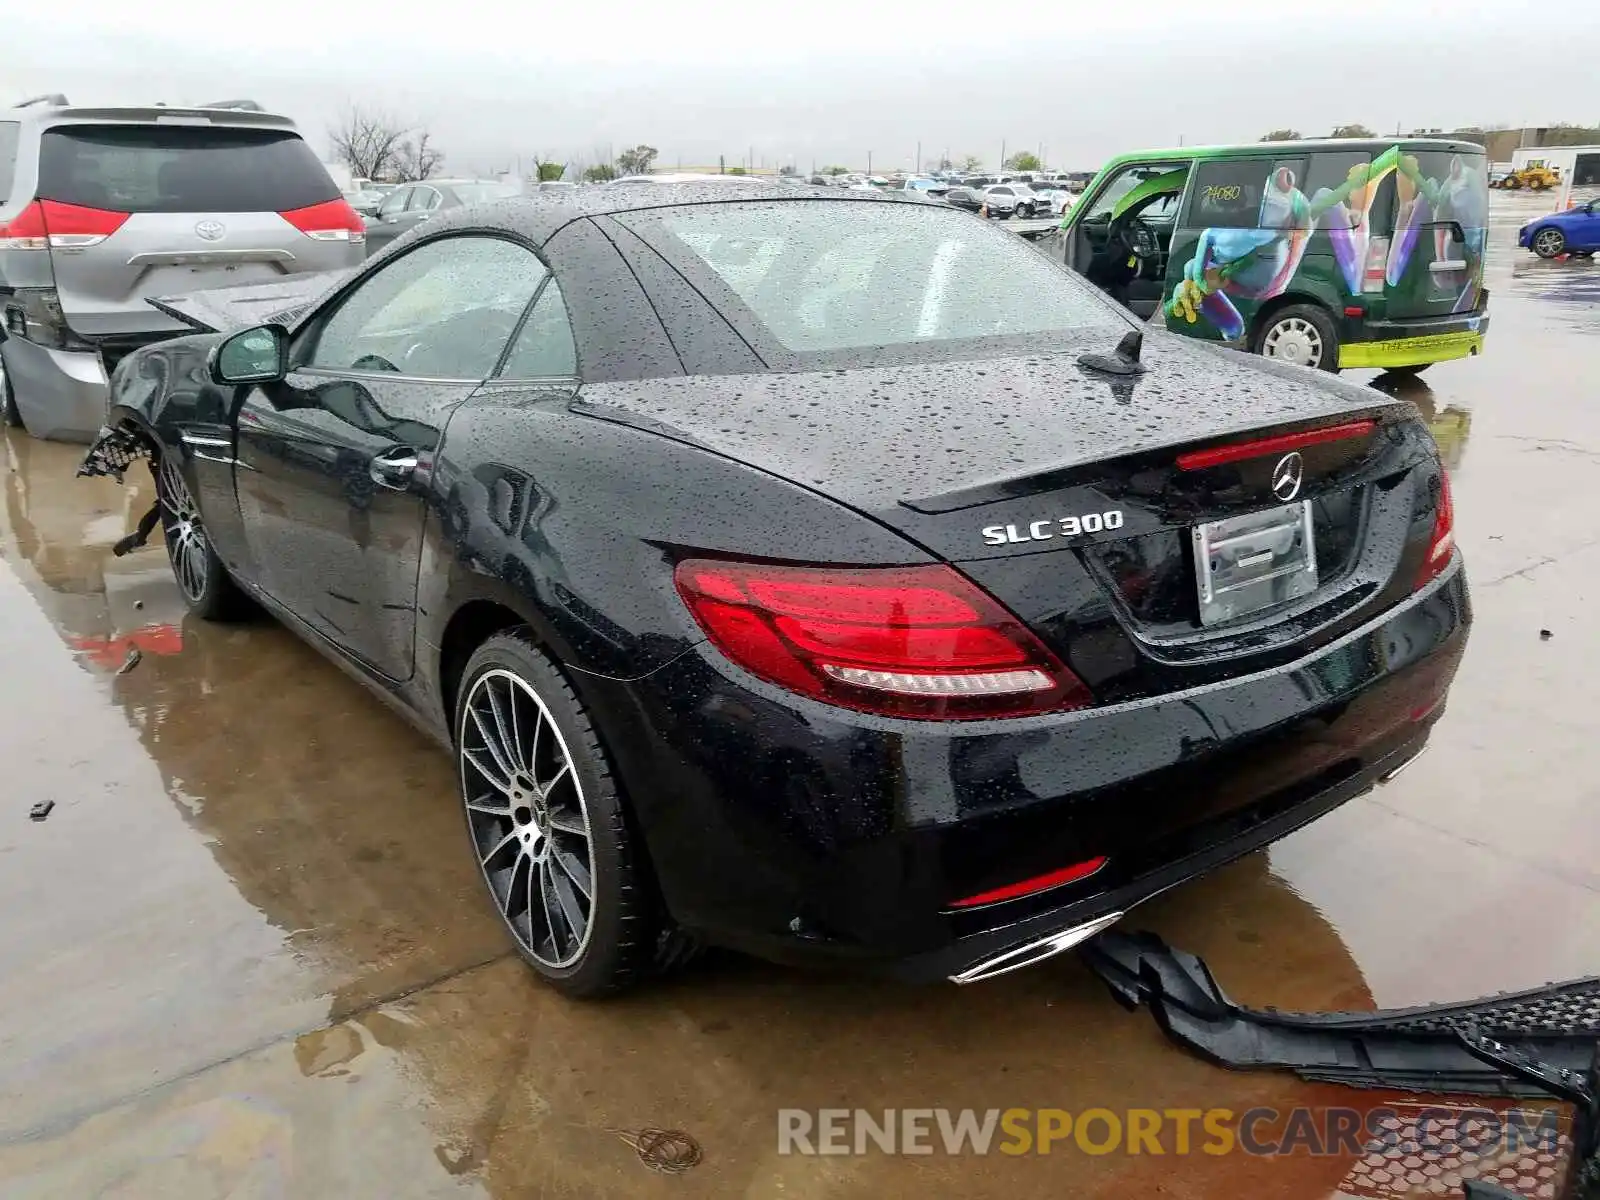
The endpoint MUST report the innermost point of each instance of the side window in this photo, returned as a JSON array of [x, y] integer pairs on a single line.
[[544, 347], [443, 311], [422, 199], [1003, 191], [1328, 172], [395, 202], [1120, 185], [10, 133], [1245, 193]]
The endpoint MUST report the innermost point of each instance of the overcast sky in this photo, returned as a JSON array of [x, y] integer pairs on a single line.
[[824, 80]]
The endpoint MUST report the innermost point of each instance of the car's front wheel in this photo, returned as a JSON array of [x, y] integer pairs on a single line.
[[1549, 243], [207, 588], [1301, 334], [546, 824]]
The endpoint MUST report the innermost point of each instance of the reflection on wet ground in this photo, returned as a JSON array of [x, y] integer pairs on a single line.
[[244, 957]]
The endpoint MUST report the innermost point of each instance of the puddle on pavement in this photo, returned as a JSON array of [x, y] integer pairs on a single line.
[[263, 968]]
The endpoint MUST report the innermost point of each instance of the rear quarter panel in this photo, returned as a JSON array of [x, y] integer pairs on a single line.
[[575, 524]]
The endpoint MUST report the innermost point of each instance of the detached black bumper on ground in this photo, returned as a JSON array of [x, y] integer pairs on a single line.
[[1543, 1042]]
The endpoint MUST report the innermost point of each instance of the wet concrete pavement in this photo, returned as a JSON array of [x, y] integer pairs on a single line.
[[247, 955]]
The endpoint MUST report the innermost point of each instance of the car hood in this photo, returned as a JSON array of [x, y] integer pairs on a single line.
[[937, 436], [218, 310]]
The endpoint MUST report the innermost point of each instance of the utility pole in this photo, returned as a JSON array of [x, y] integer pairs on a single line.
[[919, 158], [869, 162], [1002, 165]]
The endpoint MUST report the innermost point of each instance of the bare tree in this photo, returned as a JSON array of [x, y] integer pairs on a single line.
[[971, 162], [366, 141], [415, 159]]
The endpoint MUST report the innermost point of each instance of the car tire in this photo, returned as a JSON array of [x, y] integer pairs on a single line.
[[543, 812], [1024, 211], [203, 579], [1300, 333], [1549, 242], [9, 413]]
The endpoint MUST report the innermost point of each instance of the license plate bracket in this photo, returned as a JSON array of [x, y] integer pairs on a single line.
[[1247, 564]]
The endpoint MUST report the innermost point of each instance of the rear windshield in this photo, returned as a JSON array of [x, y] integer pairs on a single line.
[[828, 276], [157, 168]]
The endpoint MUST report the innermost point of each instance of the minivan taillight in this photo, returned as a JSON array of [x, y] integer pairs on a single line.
[[330, 221], [1443, 538], [897, 641], [52, 225]]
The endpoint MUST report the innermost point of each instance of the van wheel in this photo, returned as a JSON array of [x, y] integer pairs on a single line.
[[1301, 334], [8, 401]]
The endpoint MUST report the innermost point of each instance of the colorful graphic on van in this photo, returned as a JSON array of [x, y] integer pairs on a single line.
[[1253, 264]]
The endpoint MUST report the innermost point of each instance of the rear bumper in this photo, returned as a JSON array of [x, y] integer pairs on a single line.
[[1380, 344], [800, 833], [60, 394]]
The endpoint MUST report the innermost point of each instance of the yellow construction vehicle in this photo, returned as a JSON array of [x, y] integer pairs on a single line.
[[1536, 177]]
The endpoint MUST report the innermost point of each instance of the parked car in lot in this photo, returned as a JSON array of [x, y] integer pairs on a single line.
[[411, 204], [965, 198], [586, 490], [103, 207], [1329, 254], [1575, 231], [1011, 200]]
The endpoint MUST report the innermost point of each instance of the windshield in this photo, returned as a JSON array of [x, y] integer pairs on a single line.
[[820, 276], [478, 193]]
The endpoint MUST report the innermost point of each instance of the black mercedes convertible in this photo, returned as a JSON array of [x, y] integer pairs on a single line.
[[821, 574]]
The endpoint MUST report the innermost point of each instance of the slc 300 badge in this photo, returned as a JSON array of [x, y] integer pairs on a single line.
[[1043, 531]]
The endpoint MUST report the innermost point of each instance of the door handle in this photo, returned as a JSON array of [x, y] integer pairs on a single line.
[[394, 468]]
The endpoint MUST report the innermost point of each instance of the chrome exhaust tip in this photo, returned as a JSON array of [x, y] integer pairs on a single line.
[[1388, 775], [1036, 952]]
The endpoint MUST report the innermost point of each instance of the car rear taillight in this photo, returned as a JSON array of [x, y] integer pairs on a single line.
[[898, 641], [330, 221], [51, 225], [1442, 541], [1374, 269]]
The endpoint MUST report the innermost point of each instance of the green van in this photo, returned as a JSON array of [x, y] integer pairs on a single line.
[[1338, 253]]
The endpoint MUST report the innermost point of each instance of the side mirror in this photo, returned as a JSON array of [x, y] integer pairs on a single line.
[[259, 355]]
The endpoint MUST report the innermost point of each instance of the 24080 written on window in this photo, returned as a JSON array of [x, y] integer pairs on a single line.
[[823, 276]]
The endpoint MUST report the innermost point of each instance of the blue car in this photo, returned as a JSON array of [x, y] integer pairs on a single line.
[[1576, 231]]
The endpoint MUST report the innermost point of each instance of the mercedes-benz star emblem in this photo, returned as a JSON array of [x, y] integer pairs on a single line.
[[210, 231], [1288, 475]]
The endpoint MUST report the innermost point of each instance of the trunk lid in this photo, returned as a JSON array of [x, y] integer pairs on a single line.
[[189, 206], [1076, 497]]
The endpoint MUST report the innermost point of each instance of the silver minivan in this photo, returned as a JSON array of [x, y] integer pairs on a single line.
[[103, 209]]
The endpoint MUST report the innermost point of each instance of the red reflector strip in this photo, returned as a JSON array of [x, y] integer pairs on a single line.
[[1354, 310], [1038, 883], [1216, 456]]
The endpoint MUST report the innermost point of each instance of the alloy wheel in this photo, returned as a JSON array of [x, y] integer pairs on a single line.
[[1548, 243], [186, 538], [528, 816], [1294, 340]]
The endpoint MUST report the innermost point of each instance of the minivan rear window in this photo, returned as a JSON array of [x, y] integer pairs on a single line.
[[158, 168]]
